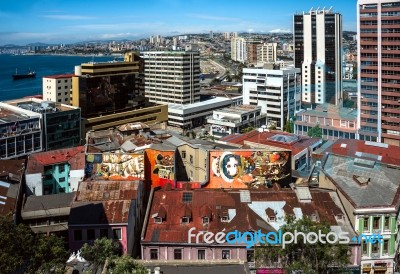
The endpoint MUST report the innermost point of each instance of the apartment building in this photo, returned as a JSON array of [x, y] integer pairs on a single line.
[[318, 53], [266, 53], [276, 91], [238, 49], [378, 42], [57, 88], [172, 77]]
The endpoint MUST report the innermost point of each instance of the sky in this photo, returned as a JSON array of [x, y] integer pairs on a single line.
[[68, 21]]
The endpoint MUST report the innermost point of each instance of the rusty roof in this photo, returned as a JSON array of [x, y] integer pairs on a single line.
[[74, 156], [103, 202], [60, 76], [11, 174], [218, 204]]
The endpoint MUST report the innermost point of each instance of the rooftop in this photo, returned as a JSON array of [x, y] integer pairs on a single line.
[[366, 183], [74, 156], [11, 174], [331, 111], [241, 109], [39, 106], [59, 76], [46, 202], [244, 210], [103, 202], [10, 115]]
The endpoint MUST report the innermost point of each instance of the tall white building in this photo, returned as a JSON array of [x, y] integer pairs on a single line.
[[238, 49], [266, 53], [57, 88], [276, 91], [172, 76], [318, 53]]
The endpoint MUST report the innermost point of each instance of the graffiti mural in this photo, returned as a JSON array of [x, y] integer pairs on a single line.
[[162, 169], [248, 169], [113, 166]]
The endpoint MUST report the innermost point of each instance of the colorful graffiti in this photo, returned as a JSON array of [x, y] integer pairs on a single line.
[[162, 169], [113, 166], [248, 169]]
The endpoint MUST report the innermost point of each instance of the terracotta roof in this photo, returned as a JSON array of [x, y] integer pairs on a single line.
[[294, 142], [103, 202], [243, 216], [74, 156], [60, 76]]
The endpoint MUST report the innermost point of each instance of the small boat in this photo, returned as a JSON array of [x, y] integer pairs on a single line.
[[30, 74]]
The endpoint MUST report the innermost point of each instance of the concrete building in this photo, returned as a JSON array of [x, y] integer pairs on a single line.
[[378, 71], [56, 171], [61, 123], [266, 53], [238, 49], [57, 88], [112, 94], [276, 91], [231, 120], [335, 122], [193, 115], [251, 50], [362, 173], [318, 53], [172, 77], [20, 132]]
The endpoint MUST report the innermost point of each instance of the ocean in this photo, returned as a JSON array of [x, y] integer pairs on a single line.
[[43, 65]]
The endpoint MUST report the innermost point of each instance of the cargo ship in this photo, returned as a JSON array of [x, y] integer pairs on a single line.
[[30, 74]]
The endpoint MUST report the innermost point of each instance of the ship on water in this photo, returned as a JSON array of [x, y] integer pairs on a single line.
[[30, 74]]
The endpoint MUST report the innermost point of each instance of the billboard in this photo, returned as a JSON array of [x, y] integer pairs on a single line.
[[248, 168], [115, 166], [160, 167]]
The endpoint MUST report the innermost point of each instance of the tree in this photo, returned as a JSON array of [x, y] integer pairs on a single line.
[[98, 252], [272, 127], [315, 132], [22, 250], [288, 126], [126, 265], [310, 258]]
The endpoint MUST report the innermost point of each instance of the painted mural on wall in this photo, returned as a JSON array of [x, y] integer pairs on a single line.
[[248, 169], [113, 166], [161, 170]]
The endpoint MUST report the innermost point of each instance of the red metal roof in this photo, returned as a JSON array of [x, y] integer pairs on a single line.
[[217, 203], [60, 76], [74, 156]]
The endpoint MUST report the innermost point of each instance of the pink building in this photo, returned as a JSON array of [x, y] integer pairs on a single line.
[[111, 209], [179, 218]]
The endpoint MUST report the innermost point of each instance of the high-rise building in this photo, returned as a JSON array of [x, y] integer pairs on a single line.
[[378, 70], [276, 91], [238, 49], [251, 50], [266, 53], [318, 53], [211, 34], [227, 35], [172, 76], [57, 88]]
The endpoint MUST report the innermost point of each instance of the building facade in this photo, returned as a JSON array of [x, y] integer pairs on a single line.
[[266, 53], [318, 53], [57, 88], [172, 77], [276, 91], [335, 122], [238, 49], [378, 71]]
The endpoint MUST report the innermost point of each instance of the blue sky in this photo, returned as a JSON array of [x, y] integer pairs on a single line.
[[61, 21]]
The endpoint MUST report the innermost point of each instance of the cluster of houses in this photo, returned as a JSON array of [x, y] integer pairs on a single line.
[[152, 192]]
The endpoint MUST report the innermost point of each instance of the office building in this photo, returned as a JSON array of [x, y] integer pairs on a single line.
[[111, 94], [238, 49], [211, 34], [276, 91], [172, 77], [378, 71], [57, 88], [318, 53]]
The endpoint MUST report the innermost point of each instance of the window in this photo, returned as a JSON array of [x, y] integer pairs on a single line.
[[366, 225], [206, 220], [225, 218], [250, 255], [62, 179], [61, 168], [90, 235], [78, 235], [364, 248], [226, 254], [386, 223], [375, 224], [185, 220], [191, 159], [385, 247], [177, 254], [183, 154], [158, 220], [103, 233], [117, 234], [375, 248], [154, 254], [201, 254]]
